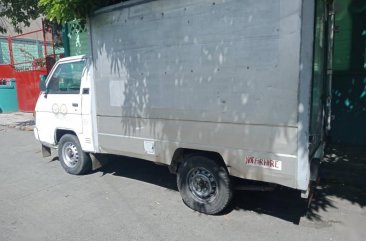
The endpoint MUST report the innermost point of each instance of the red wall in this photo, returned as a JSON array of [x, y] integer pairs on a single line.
[[27, 83], [6, 71]]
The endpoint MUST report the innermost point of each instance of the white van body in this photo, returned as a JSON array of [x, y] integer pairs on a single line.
[[233, 79]]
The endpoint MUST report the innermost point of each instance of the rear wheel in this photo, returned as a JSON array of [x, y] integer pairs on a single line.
[[204, 185], [72, 158]]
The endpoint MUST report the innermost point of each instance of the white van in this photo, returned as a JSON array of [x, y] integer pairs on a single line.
[[210, 89]]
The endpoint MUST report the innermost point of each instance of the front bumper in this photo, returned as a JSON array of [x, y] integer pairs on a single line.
[[36, 134]]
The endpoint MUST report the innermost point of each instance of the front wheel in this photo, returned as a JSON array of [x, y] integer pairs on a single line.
[[72, 158], [204, 185]]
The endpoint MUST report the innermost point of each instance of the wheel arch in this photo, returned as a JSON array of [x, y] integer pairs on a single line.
[[181, 154], [71, 155], [59, 133]]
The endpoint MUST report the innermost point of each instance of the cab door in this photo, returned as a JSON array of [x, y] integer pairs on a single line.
[[60, 106]]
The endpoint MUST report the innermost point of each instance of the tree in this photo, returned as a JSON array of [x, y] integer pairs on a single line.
[[18, 13], [62, 11]]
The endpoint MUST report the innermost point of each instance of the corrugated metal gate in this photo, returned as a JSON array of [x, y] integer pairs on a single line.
[[23, 57]]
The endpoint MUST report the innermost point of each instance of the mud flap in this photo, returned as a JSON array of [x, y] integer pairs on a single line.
[[314, 179], [100, 160], [96, 164], [314, 169], [46, 151]]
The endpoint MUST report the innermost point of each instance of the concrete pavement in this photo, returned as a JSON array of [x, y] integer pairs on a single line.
[[132, 199]]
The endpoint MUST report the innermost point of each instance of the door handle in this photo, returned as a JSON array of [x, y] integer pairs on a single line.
[[85, 91], [75, 104]]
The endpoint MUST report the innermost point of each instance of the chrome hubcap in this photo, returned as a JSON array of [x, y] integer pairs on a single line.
[[70, 154]]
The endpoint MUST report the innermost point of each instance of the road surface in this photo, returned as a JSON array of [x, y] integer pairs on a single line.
[[132, 199]]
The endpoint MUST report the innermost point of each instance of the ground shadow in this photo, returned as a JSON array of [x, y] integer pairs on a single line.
[[341, 175], [281, 203], [140, 170]]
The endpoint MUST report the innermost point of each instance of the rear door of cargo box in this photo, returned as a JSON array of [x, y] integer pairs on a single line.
[[319, 76]]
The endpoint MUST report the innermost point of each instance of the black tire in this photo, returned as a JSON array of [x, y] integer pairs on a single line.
[[72, 158], [204, 185]]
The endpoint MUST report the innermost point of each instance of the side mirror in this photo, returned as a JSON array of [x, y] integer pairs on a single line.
[[42, 83]]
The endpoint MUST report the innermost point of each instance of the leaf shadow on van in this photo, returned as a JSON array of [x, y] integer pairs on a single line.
[[199, 87]]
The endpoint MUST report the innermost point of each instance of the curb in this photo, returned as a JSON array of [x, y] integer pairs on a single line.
[[18, 120], [22, 128]]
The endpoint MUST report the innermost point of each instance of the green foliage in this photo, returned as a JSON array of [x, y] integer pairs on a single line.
[[18, 13], [62, 11], [21, 12]]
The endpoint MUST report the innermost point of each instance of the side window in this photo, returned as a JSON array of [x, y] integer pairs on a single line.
[[66, 78]]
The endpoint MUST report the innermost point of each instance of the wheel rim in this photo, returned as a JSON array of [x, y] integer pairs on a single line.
[[202, 184], [70, 154]]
